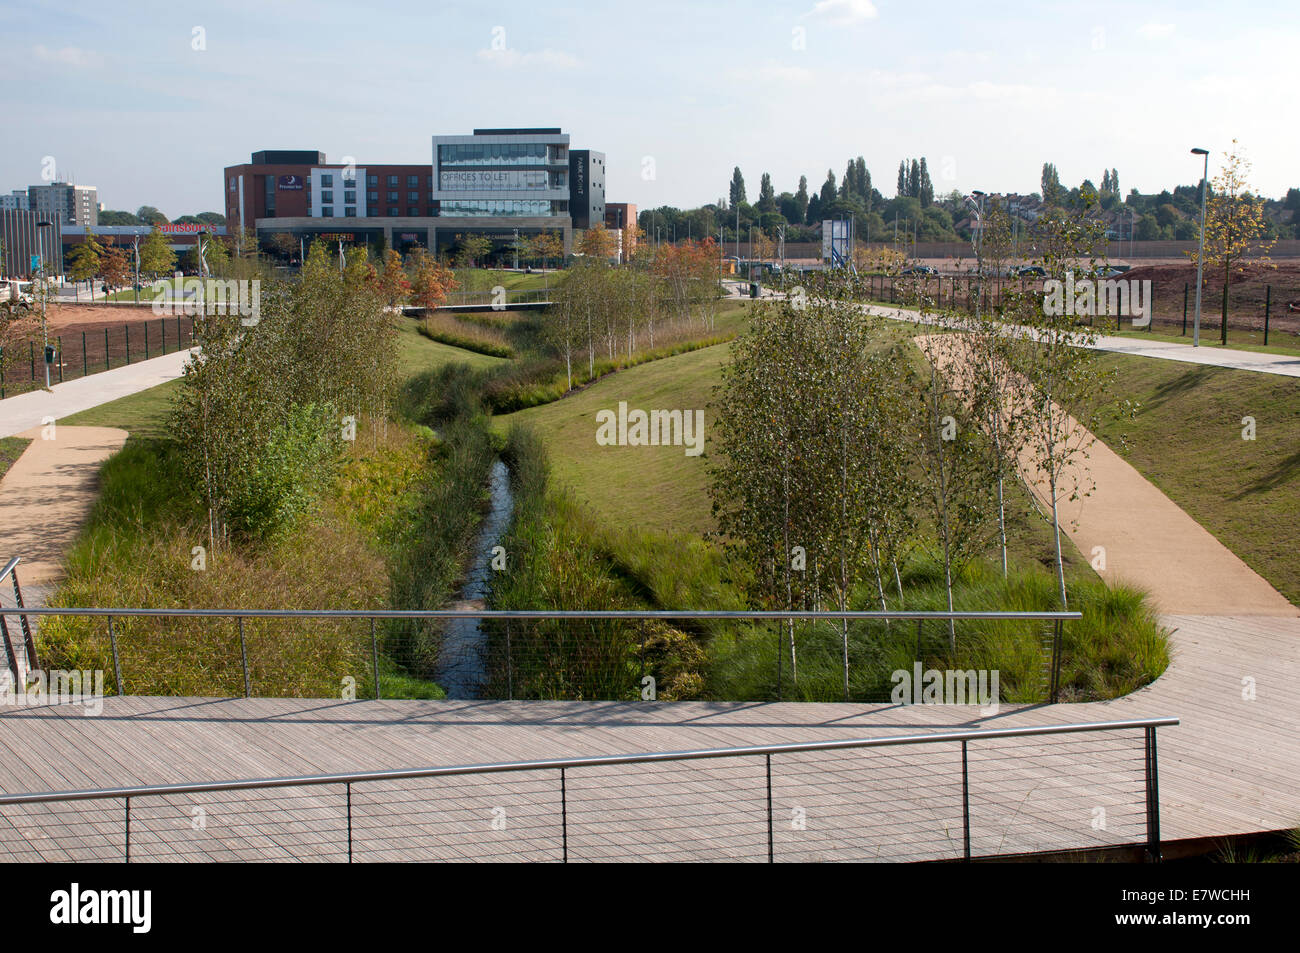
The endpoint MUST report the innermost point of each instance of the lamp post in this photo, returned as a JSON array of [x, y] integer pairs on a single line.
[[976, 201], [45, 297], [1200, 255]]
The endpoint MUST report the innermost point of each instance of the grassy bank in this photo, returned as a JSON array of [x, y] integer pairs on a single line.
[[1187, 439]]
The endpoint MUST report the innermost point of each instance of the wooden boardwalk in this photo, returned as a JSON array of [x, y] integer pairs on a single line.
[[1233, 766]]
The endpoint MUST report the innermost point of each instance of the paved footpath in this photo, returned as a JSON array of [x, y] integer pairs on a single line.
[[1286, 365], [33, 408], [47, 494]]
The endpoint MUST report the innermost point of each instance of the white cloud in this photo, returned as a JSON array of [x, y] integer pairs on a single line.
[[1156, 30], [843, 12], [68, 56], [512, 59]]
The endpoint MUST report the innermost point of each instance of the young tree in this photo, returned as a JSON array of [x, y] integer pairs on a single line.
[[1234, 224], [83, 264], [549, 247], [392, 284], [156, 258], [597, 242], [472, 249], [801, 202], [116, 268], [431, 281], [736, 194]]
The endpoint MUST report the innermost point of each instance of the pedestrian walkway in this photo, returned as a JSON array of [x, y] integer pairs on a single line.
[[1286, 365], [35, 408], [1142, 537], [47, 495]]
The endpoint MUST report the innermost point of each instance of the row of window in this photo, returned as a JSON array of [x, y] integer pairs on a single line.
[[501, 153]]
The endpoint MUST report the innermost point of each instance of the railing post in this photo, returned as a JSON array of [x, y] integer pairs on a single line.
[[965, 803], [510, 667], [24, 624], [374, 657], [564, 818], [243, 656], [9, 651], [349, 791], [1056, 661], [770, 847], [1153, 797], [1268, 306], [117, 663], [127, 831]]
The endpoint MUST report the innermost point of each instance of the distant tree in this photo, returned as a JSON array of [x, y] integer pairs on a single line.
[[431, 281], [737, 192], [83, 263], [597, 243], [211, 218], [828, 188], [115, 267], [549, 246], [914, 179], [108, 217], [801, 200], [391, 282], [148, 215], [156, 258], [814, 210], [472, 249], [766, 194], [902, 178], [188, 220], [925, 188]]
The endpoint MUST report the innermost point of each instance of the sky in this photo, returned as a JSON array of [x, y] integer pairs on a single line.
[[150, 101]]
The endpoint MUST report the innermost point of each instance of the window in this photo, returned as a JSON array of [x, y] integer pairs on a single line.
[[392, 196], [372, 196], [392, 181], [326, 196], [392, 212], [232, 183], [412, 181], [327, 211], [350, 198], [326, 181], [412, 196], [430, 181], [349, 213], [372, 180]]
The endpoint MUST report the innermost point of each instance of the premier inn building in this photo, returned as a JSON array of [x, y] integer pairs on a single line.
[[496, 183]]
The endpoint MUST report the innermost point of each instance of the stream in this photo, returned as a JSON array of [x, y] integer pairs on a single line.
[[460, 669]]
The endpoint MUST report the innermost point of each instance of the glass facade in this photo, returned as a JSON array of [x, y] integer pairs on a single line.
[[496, 154], [488, 208]]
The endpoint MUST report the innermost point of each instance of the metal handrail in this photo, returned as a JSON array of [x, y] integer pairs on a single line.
[[564, 765], [357, 777], [544, 614]]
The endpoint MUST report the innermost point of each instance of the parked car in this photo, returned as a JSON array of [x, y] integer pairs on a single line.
[[1032, 271], [921, 270], [19, 292]]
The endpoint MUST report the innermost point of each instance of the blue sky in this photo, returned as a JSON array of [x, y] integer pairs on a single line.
[[675, 93]]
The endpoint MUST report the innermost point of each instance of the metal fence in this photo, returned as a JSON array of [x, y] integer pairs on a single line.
[[949, 795], [100, 346], [542, 654]]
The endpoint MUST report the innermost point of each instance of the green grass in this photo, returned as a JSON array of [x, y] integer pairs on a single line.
[[657, 488], [416, 353], [11, 448], [1187, 440], [143, 414]]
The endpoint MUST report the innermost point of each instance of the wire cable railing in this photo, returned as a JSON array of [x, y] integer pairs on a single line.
[[947, 795], [517, 654]]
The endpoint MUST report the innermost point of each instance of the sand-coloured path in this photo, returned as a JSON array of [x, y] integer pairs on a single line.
[[1147, 539], [47, 495]]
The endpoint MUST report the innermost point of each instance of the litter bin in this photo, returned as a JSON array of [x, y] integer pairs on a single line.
[[753, 289]]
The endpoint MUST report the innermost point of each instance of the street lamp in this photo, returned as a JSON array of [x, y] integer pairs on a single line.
[[45, 297], [976, 201], [1200, 255]]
